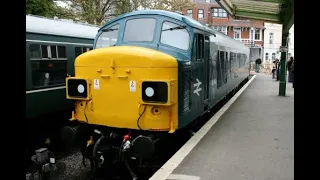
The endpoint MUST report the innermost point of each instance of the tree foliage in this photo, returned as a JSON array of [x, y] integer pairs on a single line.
[[97, 11], [46, 8], [92, 11], [40, 7], [179, 5], [169, 5], [124, 6]]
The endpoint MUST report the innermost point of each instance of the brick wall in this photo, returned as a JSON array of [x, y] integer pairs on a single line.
[[208, 19]]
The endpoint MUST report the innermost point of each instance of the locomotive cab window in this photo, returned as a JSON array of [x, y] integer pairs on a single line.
[[198, 50], [139, 30], [175, 35], [48, 65], [108, 37]]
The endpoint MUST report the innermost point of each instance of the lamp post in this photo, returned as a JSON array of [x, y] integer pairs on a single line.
[[251, 45]]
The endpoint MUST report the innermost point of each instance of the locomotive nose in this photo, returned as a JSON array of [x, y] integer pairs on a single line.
[[116, 84], [125, 56]]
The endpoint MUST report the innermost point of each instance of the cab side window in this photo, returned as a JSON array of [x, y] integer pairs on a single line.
[[198, 52]]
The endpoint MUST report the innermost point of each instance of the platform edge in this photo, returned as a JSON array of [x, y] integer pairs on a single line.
[[164, 172]]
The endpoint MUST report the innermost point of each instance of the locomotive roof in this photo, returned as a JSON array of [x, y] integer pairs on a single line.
[[180, 17], [174, 15], [58, 27]]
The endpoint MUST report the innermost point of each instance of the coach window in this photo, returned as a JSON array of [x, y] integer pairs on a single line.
[[244, 59], [220, 68], [239, 59], [139, 30], [48, 65], [175, 35], [108, 37], [233, 59], [80, 50]]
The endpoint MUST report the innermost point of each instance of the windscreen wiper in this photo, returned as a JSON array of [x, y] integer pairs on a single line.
[[175, 28], [110, 29]]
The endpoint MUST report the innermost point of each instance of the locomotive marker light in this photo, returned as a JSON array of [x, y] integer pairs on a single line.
[[80, 88], [149, 92]]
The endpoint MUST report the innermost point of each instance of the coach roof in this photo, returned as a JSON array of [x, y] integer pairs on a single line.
[[59, 27]]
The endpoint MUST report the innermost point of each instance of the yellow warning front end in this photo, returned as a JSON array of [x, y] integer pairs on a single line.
[[126, 87]]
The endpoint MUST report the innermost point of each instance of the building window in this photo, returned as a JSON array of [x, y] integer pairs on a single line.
[[219, 12], [273, 56], [200, 13], [222, 29], [271, 38], [267, 56], [257, 35], [48, 65], [189, 13], [237, 33]]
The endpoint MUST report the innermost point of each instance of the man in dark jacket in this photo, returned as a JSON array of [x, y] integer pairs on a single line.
[[277, 64], [258, 62], [292, 73], [289, 63]]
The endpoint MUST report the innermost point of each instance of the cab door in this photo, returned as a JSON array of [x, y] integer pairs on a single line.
[[198, 75], [206, 68]]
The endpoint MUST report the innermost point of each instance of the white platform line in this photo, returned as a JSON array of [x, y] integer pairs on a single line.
[[182, 177], [164, 172]]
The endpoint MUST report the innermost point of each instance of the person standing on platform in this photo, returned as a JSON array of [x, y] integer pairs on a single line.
[[289, 63], [258, 62], [273, 72], [292, 73], [277, 64]]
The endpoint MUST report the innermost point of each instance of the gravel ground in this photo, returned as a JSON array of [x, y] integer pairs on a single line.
[[70, 167]]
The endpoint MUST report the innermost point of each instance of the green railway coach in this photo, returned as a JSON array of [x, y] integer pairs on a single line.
[[51, 48]]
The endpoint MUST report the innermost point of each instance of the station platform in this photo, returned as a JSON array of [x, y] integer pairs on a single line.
[[249, 138]]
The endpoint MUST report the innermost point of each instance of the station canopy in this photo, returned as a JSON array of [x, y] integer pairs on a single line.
[[273, 11]]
